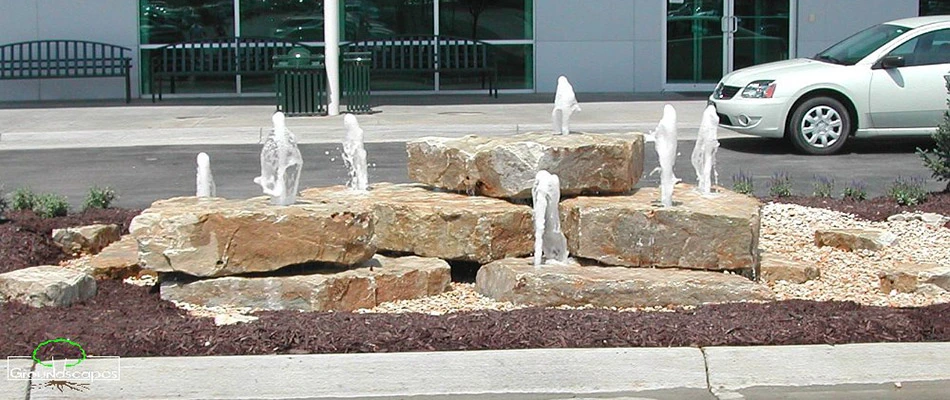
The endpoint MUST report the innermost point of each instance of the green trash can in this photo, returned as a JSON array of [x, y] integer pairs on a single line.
[[354, 74], [301, 84]]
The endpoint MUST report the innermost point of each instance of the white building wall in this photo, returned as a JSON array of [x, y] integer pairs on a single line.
[[109, 21], [822, 23], [589, 41]]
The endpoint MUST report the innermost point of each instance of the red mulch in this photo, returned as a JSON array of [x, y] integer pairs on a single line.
[[126, 320], [876, 209]]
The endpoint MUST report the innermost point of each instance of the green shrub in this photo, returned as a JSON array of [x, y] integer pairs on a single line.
[[938, 158], [99, 198], [856, 191], [824, 186], [908, 192], [49, 205], [23, 199], [780, 184], [742, 183], [3, 201]]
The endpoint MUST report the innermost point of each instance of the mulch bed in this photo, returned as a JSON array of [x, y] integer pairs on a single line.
[[876, 209], [129, 321], [26, 240]]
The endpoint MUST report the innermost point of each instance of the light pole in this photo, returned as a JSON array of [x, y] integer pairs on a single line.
[[331, 36]]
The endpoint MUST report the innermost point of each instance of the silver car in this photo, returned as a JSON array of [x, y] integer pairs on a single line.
[[885, 80]]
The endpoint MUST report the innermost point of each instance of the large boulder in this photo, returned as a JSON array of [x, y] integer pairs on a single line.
[[505, 166], [90, 239], [46, 285], [517, 280], [216, 237], [720, 232], [377, 280], [413, 218]]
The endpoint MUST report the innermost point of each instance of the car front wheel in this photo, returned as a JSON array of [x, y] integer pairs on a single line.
[[820, 126]]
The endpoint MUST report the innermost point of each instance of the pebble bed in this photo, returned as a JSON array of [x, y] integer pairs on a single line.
[[787, 230]]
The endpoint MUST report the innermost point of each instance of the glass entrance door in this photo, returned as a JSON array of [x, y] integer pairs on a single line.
[[705, 39], [760, 32]]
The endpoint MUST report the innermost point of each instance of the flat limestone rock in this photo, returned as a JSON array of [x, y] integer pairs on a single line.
[[711, 233], [518, 281], [90, 239], [118, 260], [415, 219], [505, 167], [217, 237], [46, 285], [776, 267], [855, 239], [375, 281], [908, 277]]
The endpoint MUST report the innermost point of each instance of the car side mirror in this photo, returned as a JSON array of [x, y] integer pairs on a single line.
[[889, 62]]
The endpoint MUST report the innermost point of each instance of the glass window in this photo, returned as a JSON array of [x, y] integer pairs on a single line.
[[299, 20], [927, 49], [170, 21], [486, 20], [694, 41], [371, 19], [858, 46], [934, 7]]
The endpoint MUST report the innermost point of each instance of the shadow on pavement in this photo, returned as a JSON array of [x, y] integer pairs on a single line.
[[767, 146]]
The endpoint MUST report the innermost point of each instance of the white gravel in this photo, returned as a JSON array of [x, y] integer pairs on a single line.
[[789, 230]]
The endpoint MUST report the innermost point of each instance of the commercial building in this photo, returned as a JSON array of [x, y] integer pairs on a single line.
[[601, 45]]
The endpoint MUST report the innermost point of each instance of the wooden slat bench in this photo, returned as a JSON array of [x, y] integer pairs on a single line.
[[216, 57], [43, 59], [430, 53]]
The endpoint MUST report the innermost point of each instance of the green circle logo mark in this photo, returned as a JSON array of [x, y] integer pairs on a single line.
[[59, 340]]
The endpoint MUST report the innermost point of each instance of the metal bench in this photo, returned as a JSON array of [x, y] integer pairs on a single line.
[[45, 59], [216, 57], [430, 53]]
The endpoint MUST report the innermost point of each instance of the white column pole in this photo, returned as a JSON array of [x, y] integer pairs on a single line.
[[331, 39]]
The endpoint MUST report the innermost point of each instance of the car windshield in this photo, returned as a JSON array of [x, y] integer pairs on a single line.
[[858, 46]]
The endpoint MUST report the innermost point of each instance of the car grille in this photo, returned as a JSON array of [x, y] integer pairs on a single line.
[[727, 92], [724, 119]]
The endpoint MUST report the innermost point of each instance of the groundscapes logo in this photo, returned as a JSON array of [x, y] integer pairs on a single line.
[[62, 365]]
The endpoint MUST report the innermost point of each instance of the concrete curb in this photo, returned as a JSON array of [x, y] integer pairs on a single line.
[[858, 371]]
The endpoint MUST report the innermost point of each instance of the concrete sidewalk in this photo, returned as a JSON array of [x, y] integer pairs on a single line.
[[856, 371], [145, 124]]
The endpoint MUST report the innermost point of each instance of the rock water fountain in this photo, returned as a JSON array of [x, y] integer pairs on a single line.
[[665, 140], [565, 105], [204, 181], [281, 164], [331, 250], [354, 156], [704, 151], [549, 242]]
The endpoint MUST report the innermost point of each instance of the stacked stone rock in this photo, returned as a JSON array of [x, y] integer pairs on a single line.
[[309, 256], [472, 203]]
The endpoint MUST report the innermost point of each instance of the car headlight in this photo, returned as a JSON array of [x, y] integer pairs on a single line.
[[763, 89]]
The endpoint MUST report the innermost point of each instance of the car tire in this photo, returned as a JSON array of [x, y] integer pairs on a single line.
[[819, 126]]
